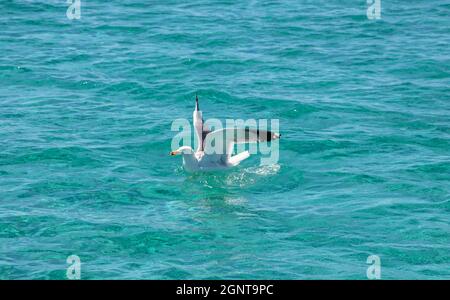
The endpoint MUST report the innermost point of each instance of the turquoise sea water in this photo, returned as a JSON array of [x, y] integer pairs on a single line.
[[86, 108]]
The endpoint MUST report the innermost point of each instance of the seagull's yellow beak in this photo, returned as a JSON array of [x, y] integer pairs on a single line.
[[173, 153]]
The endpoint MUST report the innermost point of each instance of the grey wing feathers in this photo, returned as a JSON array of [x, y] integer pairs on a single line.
[[241, 135], [255, 135], [205, 132]]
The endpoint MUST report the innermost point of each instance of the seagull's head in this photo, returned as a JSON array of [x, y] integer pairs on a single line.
[[182, 150]]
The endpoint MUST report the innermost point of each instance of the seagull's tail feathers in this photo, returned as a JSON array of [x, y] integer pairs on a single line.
[[236, 159]]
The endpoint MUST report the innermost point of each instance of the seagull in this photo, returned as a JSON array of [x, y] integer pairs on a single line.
[[206, 158]]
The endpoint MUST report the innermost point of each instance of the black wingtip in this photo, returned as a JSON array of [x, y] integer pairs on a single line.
[[197, 107]]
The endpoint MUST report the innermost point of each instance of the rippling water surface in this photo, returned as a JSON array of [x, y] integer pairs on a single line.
[[86, 108]]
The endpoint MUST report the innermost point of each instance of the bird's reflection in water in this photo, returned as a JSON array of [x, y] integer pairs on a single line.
[[227, 192], [241, 177]]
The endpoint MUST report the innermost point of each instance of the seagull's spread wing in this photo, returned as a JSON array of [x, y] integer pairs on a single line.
[[219, 144], [240, 135]]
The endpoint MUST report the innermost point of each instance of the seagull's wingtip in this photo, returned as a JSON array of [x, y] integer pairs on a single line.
[[197, 107]]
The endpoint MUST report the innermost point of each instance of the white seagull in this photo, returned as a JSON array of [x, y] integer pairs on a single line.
[[206, 157]]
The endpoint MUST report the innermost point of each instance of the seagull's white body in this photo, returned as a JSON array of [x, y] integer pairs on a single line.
[[206, 157], [199, 161]]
